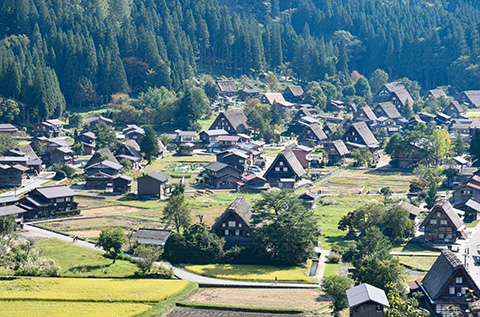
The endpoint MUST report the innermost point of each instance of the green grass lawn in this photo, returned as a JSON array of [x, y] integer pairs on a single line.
[[78, 261], [332, 269], [412, 246], [419, 263], [331, 209], [472, 224], [250, 272]]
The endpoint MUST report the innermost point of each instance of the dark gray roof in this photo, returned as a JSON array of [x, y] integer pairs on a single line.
[[158, 176], [390, 110], [216, 166], [154, 234], [441, 273], [215, 132], [56, 191], [10, 210], [7, 127], [99, 118], [106, 163], [241, 207], [412, 209], [8, 199], [364, 293], [125, 177], [97, 157]]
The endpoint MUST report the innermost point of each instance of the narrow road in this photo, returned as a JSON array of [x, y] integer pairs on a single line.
[[39, 181], [179, 273]]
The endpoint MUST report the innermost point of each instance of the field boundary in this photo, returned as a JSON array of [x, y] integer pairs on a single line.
[[240, 308]]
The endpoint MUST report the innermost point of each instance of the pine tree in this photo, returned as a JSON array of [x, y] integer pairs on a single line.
[[149, 144]]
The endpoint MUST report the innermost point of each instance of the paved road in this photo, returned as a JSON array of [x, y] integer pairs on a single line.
[[39, 181], [432, 254], [180, 273]]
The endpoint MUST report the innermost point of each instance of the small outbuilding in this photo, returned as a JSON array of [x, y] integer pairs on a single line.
[[366, 300], [153, 184], [122, 183], [151, 236]]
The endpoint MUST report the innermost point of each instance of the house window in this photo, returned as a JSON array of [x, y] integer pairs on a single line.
[[452, 291], [285, 169], [443, 222], [433, 221], [441, 236], [224, 225], [439, 214], [277, 169], [458, 280], [60, 200], [231, 223], [237, 232], [67, 199], [226, 232], [239, 225]]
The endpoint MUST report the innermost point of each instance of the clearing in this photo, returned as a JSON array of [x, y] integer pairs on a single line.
[[250, 272], [307, 299], [78, 261]]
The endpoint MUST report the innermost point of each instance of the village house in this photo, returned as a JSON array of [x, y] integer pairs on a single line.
[[48, 128], [337, 152], [248, 94], [285, 170], [336, 106], [470, 98], [153, 184], [329, 128], [15, 175], [157, 237], [210, 136], [471, 208], [359, 135], [285, 106], [443, 119], [88, 141], [386, 109], [443, 223], [228, 88], [366, 300], [394, 92], [62, 155], [99, 175], [454, 109], [8, 200], [179, 137], [366, 115], [309, 199], [92, 122], [121, 184], [219, 175], [133, 132], [413, 210], [129, 150], [470, 189], [309, 107], [302, 153], [252, 184], [233, 121], [7, 128], [33, 166], [293, 93], [448, 285], [271, 98], [296, 127], [101, 155], [32, 161], [186, 149], [16, 212], [236, 158], [435, 93], [234, 224], [49, 201], [312, 135], [387, 124]]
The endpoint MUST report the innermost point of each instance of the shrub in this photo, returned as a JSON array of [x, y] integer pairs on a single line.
[[334, 258], [59, 175], [337, 249]]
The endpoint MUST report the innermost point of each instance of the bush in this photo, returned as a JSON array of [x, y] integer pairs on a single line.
[[337, 249], [334, 258], [59, 175]]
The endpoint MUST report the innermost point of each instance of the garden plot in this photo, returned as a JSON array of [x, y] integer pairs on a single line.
[[109, 211], [307, 299]]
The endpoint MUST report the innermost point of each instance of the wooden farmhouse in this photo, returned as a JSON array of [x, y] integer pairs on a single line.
[[359, 135], [154, 184], [312, 135], [434, 94], [470, 189], [233, 121], [7, 128], [234, 224], [366, 300], [443, 223], [337, 152], [228, 88], [48, 201], [395, 93], [121, 183], [448, 285], [285, 170], [219, 175], [454, 109], [293, 94], [470, 98]]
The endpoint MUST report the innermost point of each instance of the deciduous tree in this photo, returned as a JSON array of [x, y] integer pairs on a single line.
[[177, 212], [111, 240], [149, 143], [337, 287]]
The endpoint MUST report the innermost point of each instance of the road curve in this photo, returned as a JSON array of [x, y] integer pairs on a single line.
[[178, 272]]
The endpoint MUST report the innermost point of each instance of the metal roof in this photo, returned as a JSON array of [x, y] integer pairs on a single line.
[[364, 293]]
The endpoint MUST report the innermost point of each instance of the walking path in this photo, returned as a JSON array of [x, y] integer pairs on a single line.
[[180, 273]]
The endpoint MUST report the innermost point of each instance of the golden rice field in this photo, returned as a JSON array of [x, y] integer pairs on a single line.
[[90, 290], [61, 309], [250, 272]]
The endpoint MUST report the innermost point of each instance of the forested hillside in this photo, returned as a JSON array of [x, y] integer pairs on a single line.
[[60, 53]]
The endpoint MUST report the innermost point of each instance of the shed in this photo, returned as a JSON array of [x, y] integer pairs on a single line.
[[151, 236], [366, 300]]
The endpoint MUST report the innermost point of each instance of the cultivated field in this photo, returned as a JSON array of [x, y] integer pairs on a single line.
[[307, 299], [189, 312], [250, 272], [90, 290], [62, 309]]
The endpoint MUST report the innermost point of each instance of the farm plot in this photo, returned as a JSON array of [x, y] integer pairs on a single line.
[[306, 299], [90, 290]]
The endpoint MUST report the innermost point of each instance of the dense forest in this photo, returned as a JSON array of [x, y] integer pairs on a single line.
[[55, 53]]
